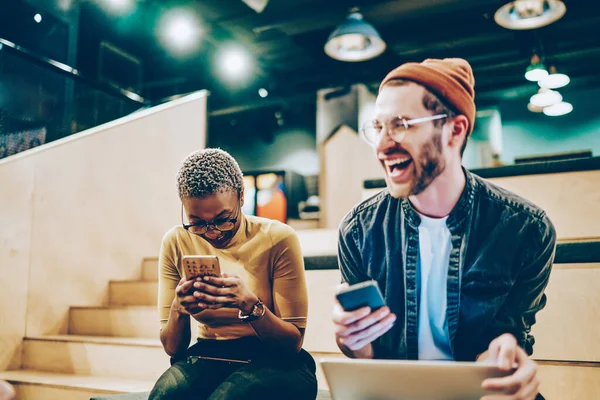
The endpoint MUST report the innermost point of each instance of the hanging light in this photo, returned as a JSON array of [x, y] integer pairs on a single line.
[[554, 80], [536, 70], [354, 40], [558, 109], [545, 98], [534, 108], [529, 14]]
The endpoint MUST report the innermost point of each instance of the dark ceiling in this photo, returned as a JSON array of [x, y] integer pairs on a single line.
[[287, 41]]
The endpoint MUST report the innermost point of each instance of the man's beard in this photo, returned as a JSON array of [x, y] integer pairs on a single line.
[[431, 164]]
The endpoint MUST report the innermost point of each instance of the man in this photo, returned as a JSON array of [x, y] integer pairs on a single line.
[[462, 263]]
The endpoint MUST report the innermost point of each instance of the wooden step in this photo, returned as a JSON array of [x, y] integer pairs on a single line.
[[121, 321], [131, 358], [133, 293], [150, 269], [38, 385]]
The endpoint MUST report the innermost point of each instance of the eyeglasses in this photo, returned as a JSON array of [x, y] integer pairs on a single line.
[[396, 128], [201, 227]]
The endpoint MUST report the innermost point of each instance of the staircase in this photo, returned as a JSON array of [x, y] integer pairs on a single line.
[[115, 348], [112, 349]]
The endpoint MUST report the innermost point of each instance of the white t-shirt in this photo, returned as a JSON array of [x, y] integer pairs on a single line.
[[432, 271]]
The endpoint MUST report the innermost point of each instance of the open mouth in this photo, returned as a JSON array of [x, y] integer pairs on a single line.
[[397, 168]]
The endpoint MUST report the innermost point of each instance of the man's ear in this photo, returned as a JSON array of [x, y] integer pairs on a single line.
[[242, 198], [460, 130]]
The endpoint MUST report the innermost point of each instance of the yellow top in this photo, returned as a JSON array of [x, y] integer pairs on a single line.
[[264, 253]]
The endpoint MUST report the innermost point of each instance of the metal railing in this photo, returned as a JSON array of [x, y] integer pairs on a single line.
[[42, 100]]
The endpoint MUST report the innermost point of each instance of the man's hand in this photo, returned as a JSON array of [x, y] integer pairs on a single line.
[[523, 384], [355, 330]]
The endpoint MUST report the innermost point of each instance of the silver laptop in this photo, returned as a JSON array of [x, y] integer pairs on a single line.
[[351, 379]]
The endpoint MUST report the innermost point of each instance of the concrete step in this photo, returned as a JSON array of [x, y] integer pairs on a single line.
[[133, 293], [131, 358], [38, 385], [120, 321], [150, 269]]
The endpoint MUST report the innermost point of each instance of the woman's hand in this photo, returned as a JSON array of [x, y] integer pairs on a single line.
[[185, 302], [225, 291]]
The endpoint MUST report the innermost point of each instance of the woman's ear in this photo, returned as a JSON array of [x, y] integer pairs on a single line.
[[242, 198]]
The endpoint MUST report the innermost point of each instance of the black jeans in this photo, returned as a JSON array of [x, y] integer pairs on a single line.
[[271, 373]]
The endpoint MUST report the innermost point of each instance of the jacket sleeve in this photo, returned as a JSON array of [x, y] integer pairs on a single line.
[[526, 296], [349, 259]]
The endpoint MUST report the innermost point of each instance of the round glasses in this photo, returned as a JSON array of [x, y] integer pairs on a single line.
[[201, 227], [397, 128]]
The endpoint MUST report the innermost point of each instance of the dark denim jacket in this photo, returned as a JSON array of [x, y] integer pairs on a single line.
[[502, 252]]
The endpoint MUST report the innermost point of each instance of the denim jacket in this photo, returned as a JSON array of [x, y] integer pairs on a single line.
[[502, 252]]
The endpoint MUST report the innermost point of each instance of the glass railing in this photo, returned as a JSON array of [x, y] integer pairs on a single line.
[[42, 100]]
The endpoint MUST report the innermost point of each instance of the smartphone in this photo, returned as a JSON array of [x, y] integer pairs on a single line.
[[200, 266], [364, 294]]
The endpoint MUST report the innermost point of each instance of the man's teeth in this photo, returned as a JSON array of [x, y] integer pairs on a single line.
[[391, 163]]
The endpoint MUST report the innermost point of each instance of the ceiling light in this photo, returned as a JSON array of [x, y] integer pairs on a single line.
[[262, 92], [534, 108], [354, 40], [554, 80], [257, 5], [179, 30], [234, 63], [529, 14], [558, 109], [37, 18], [119, 6], [545, 98], [536, 70]]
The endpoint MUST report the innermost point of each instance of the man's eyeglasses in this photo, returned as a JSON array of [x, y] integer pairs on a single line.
[[396, 128], [201, 227]]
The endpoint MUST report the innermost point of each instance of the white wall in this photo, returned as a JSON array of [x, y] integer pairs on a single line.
[[86, 209]]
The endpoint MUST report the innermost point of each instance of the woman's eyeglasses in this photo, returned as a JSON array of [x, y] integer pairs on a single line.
[[201, 227]]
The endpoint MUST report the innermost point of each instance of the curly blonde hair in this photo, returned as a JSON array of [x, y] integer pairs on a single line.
[[209, 171]]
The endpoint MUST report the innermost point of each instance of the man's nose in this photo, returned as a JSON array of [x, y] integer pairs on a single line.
[[384, 141]]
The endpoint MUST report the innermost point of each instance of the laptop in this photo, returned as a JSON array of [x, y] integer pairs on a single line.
[[351, 379]]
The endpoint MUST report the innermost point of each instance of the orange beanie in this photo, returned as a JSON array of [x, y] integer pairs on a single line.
[[451, 79]]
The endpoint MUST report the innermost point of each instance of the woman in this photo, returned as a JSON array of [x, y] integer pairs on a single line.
[[6, 391], [251, 320]]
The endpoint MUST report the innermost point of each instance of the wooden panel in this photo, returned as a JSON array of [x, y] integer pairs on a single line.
[[150, 269], [345, 162], [571, 199], [133, 293], [37, 385], [570, 382], [29, 391], [569, 327], [95, 358], [318, 242], [115, 321], [321, 290], [16, 199], [94, 220]]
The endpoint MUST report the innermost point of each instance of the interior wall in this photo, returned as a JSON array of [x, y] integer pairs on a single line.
[[16, 203], [269, 138], [525, 133], [346, 162], [86, 209]]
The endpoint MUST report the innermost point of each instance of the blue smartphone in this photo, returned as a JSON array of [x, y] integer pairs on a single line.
[[364, 294]]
